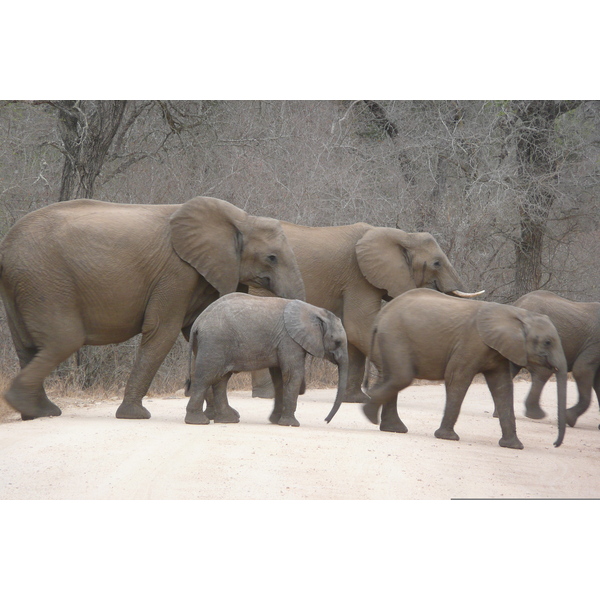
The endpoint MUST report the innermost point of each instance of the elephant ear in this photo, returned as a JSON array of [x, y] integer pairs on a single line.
[[383, 256], [502, 329], [207, 234], [305, 326]]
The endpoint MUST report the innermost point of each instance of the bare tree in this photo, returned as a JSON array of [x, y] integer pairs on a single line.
[[539, 162]]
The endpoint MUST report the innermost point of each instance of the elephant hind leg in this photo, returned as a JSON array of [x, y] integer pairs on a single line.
[[224, 413], [385, 394], [26, 393]]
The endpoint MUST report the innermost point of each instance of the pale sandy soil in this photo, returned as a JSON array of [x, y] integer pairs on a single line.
[[89, 454]]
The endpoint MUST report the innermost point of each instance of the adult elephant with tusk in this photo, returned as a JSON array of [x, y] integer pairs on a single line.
[[91, 272], [351, 269]]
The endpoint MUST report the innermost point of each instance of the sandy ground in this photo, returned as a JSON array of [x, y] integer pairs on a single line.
[[89, 454]]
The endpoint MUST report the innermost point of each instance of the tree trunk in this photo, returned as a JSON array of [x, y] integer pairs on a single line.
[[87, 129], [538, 168]]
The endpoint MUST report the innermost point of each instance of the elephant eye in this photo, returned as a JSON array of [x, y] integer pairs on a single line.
[[272, 259], [437, 264]]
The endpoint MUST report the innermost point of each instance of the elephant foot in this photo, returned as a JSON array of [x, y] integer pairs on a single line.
[[32, 410], [512, 442], [229, 415], [534, 412], [196, 418], [572, 417], [274, 417], [289, 422], [131, 410], [45, 411], [356, 397], [371, 410], [446, 434], [393, 426]]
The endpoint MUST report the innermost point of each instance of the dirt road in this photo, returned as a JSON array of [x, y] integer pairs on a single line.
[[88, 454]]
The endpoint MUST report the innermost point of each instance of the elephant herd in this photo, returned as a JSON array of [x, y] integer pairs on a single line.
[[252, 293]]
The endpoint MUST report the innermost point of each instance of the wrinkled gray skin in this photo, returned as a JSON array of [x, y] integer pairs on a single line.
[[578, 325], [90, 272], [427, 335], [350, 269], [240, 332]]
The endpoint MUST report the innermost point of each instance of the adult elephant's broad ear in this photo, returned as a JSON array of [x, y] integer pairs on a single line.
[[501, 328], [206, 234], [304, 326], [384, 259]]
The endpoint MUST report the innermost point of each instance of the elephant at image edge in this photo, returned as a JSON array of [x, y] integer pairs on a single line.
[[90, 272], [427, 335], [240, 332], [350, 269], [578, 325]]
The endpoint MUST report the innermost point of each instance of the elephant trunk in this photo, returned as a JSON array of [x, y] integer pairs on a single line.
[[561, 392], [342, 364], [291, 286]]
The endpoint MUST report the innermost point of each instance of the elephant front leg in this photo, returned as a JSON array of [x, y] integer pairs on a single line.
[[539, 377], [291, 381], [500, 385], [356, 373]]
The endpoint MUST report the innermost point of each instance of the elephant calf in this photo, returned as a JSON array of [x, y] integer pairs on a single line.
[[240, 332], [427, 335]]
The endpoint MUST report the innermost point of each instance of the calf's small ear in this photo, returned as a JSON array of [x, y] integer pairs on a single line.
[[502, 329], [305, 326]]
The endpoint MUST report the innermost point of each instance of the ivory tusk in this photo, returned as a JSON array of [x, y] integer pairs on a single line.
[[467, 294]]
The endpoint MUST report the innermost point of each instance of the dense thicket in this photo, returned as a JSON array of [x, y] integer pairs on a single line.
[[508, 188]]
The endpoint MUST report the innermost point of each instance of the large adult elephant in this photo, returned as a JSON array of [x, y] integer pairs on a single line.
[[91, 272], [350, 269], [578, 325]]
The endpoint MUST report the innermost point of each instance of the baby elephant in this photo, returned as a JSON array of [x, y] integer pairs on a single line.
[[240, 332], [427, 335]]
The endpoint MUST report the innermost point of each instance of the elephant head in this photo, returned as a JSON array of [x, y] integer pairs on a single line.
[[251, 250], [524, 337], [321, 334], [396, 261]]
